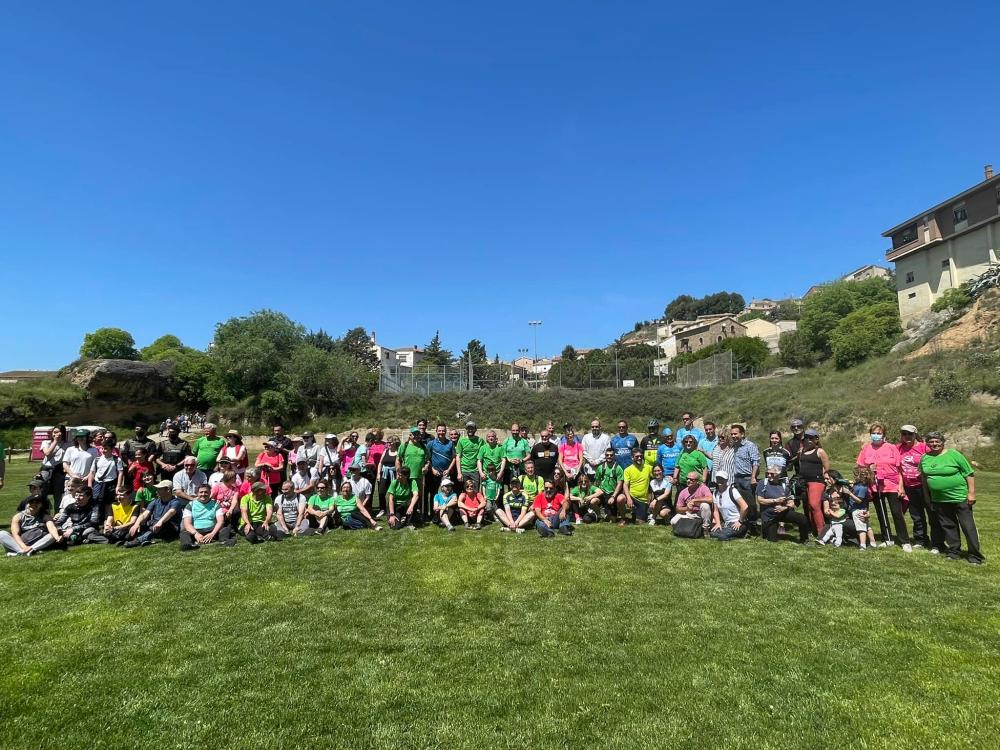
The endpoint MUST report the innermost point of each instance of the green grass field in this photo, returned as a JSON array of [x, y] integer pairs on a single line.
[[618, 638]]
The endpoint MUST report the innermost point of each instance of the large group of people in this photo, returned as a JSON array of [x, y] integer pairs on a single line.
[[707, 481]]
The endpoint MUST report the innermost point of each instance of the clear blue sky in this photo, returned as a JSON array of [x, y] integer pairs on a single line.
[[413, 166]]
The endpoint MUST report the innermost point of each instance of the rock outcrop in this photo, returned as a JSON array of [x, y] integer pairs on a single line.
[[120, 390]]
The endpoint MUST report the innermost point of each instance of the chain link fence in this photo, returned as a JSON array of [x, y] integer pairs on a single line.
[[713, 370]]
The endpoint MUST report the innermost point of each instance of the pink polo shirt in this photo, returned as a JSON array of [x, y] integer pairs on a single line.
[[887, 462], [910, 458]]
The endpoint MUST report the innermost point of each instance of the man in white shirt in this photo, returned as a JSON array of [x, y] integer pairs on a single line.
[[729, 510], [361, 487], [595, 443], [187, 481]]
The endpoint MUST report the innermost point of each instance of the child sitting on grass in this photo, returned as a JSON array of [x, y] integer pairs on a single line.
[[445, 502], [837, 515], [516, 511], [121, 524], [472, 505]]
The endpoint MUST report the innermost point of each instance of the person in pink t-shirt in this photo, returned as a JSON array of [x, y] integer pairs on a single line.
[[887, 467], [570, 454], [926, 529]]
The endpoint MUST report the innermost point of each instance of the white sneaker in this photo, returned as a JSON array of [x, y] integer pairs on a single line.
[[519, 530], [935, 551], [504, 528], [651, 522], [13, 554], [907, 548]]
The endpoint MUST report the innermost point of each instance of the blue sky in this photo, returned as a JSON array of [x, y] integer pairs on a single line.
[[455, 166]]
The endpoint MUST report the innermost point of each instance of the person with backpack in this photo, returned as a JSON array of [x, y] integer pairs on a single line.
[[730, 510], [777, 506], [31, 530]]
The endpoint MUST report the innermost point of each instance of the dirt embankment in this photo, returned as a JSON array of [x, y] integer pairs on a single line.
[[980, 323]]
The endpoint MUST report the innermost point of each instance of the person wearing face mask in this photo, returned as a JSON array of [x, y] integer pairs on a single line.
[[886, 465]]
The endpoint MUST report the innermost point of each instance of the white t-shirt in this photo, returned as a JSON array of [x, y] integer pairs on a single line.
[[215, 479], [189, 485], [289, 506], [728, 508], [300, 481], [362, 489], [80, 461], [107, 468], [56, 457], [594, 447], [656, 486]]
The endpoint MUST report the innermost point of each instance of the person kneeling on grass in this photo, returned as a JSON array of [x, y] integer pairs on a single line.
[[403, 496], [585, 499], [289, 513], [516, 511], [161, 520], [777, 506], [122, 523], [730, 510], [78, 523], [472, 505], [352, 514], [551, 511], [445, 503], [694, 501], [660, 489], [321, 512], [204, 521], [31, 530], [256, 511]]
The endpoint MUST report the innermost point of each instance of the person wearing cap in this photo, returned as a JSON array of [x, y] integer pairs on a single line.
[[203, 521], [413, 455], [950, 484], [794, 444], [223, 465], [883, 459], [729, 510], [545, 455], [187, 481], [445, 503], [289, 512], [404, 498], [550, 510], [352, 514], [78, 460], [467, 452], [207, 449], [361, 488], [441, 453], [161, 520], [650, 442], [305, 477], [36, 488], [926, 529], [256, 512], [272, 466], [328, 460], [814, 468], [236, 452], [79, 522], [171, 452], [139, 439], [308, 450], [31, 529]]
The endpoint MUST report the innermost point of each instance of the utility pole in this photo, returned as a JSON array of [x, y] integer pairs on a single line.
[[534, 325]]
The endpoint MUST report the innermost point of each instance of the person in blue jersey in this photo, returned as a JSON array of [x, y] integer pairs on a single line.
[[623, 444], [666, 456], [687, 428]]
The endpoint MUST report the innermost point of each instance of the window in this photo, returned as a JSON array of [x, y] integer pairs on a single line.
[[909, 277], [911, 295], [719, 338], [961, 216], [907, 235], [701, 340], [998, 195], [944, 263]]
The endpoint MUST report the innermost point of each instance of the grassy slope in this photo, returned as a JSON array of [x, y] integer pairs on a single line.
[[614, 638]]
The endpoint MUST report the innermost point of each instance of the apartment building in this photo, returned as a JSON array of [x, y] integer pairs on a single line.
[[945, 245]]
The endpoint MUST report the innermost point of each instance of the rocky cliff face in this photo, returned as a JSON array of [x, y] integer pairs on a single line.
[[120, 391]]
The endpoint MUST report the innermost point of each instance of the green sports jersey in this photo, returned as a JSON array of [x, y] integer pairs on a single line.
[[414, 456], [607, 477], [492, 455], [321, 503], [637, 480], [516, 448], [468, 450], [402, 494], [516, 501], [491, 488], [688, 462]]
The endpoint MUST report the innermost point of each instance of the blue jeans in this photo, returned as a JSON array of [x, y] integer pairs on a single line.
[[352, 523], [565, 527], [727, 533]]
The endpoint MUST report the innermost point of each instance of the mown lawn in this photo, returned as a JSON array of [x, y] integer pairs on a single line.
[[612, 638]]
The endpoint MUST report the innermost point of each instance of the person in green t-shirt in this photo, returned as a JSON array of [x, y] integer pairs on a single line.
[[321, 510], [468, 450], [690, 459], [491, 488], [531, 483], [256, 508], [403, 495], [147, 493], [490, 453], [207, 449], [950, 484], [352, 514], [515, 450], [585, 499], [413, 454], [608, 480]]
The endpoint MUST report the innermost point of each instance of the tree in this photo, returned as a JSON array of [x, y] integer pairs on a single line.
[[249, 352], [357, 345], [476, 351], [315, 382], [109, 343], [167, 342], [789, 309], [825, 308], [749, 351], [686, 307], [793, 351], [321, 340], [569, 353], [435, 354], [866, 332]]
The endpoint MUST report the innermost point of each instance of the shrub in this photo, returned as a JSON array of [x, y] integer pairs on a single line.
[[949, 388], [953, 299], [991, 425]]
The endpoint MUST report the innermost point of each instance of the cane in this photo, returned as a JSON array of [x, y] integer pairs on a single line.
[[880, 511]]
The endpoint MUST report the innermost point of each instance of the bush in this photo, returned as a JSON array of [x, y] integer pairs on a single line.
[[827, 307], [953, 299], [991, 425], [949, 388], [793, 351], [864, 333], [38, 401]]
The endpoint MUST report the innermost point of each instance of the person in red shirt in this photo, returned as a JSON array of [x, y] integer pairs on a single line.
[[271, 463], [551, 512], [139, 467], [472, 505]]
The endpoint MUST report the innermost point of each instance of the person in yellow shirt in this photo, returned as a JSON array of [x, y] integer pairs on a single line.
[[122, 523], [636, 486]]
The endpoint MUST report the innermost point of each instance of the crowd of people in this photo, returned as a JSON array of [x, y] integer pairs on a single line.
[[699, 481]]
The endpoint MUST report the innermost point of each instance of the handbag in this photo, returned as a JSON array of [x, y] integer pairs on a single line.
[[689, 528]]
